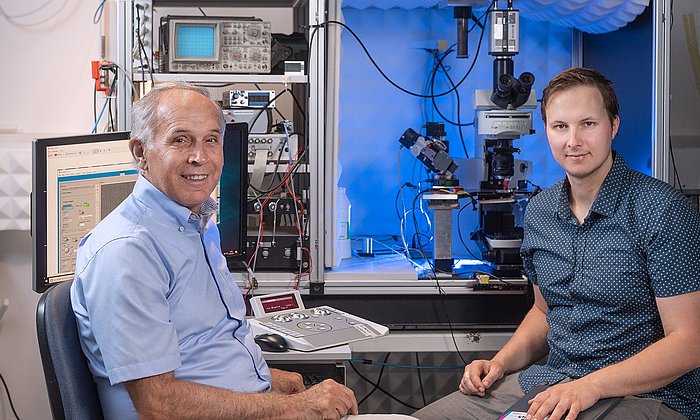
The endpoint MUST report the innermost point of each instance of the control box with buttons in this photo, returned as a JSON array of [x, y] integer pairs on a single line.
[[249, 99], [309, 329], [273, 147]]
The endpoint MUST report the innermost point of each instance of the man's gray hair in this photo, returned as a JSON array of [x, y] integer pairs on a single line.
[[144, 113]]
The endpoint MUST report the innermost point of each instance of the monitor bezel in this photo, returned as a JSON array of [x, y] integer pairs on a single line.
[[39, 202], [174, 41], [237, 262]]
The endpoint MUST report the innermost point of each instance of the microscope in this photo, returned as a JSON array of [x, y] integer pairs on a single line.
[[502, 180], [432, 150], [499, 121]]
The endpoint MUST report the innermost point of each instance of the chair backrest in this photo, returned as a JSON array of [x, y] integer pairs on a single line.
[[72, 390]]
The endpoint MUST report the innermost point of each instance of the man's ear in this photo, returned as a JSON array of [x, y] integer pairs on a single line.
[[139, 153], [615, 126]]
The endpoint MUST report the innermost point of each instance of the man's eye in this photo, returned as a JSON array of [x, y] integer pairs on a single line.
[[559, 126]]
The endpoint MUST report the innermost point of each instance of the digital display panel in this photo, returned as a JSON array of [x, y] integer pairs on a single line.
[[279, 303]]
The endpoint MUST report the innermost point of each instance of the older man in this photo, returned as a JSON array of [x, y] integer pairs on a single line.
[[160, 318]]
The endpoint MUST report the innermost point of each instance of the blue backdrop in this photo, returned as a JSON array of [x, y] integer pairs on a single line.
[[374, 114]]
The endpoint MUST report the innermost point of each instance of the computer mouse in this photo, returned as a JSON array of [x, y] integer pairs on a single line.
[[271, 342]]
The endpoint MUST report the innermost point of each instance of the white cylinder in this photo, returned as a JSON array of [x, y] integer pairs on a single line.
[[343, 224]]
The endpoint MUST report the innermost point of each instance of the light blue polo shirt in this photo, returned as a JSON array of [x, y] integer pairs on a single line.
[[152, 294]]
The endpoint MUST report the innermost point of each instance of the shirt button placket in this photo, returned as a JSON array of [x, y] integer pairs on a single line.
[[580, 237]]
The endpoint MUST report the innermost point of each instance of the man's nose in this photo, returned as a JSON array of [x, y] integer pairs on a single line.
[[574, 138], [198, 153]]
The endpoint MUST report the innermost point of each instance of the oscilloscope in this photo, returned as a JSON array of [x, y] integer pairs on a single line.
[[206, 44]]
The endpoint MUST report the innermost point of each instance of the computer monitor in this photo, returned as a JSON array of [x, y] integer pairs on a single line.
[[233, 188], [77, 181]]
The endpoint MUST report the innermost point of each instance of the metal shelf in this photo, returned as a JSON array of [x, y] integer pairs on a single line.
[[221, 78]]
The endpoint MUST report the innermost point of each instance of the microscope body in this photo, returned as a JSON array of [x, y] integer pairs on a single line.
[[501, 118]]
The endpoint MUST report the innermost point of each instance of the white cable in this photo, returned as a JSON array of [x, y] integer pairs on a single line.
[[28, 25], [4, 306], [25, 14], [390, 249], [260, 227], [128, 77]]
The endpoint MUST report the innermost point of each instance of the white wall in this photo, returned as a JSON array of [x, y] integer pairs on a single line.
[[46, 88]]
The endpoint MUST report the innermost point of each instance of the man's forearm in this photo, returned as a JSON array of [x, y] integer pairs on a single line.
[[654, 367], [175, 399], [528, 344]]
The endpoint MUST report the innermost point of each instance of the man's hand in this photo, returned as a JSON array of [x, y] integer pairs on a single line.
[[574, 397], [479, 375], [286, 382], [327, 400]]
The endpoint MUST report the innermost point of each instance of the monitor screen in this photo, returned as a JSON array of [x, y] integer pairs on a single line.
[[77, 181], [196, 41]]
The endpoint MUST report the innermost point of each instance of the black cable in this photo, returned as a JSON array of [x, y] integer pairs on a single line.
[[200, 9], [264, 108], [352, 365], [441, 291], [142, 48], [396, 199], [138, 35], [277, 162], [420, 380], [379, 379], [109, 99], [94, 105], [449, 324], [459, 232], [454, 87], [299, 107], [9, 397], [110, 117], [384, 74], [276, 109], [292, 170], [675, 169], [459, 105], [222, 85], [491, 275]]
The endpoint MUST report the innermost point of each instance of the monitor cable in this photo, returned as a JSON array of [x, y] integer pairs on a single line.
[[9, 397]]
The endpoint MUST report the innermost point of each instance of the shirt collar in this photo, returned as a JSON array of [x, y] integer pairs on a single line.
[[606, 202], [608, 196], [151, 196]]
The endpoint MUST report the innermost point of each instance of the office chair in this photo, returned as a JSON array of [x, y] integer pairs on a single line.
[[72, 391]]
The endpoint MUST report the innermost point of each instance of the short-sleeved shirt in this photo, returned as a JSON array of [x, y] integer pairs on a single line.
[[152, 294], [600, 278]]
